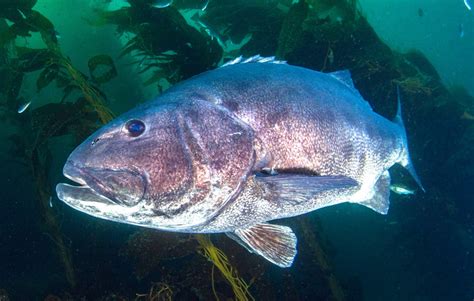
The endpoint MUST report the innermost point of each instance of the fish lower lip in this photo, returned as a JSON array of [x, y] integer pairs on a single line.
[[71, 194]]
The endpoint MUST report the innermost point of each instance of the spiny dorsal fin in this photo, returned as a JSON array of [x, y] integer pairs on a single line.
[[275, 243], [253, 59]]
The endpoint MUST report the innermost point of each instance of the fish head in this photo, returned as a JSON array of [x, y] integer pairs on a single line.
[[169, 167]]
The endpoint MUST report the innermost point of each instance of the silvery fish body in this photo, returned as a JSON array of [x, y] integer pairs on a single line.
[[233, 148]]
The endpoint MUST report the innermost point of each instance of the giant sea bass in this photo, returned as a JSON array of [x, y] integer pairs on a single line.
[[231, 149]]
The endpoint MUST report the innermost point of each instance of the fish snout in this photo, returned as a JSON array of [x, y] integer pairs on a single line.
[[122, 186]]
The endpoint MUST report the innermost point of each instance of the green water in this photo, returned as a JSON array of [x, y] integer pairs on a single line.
[[423, 249]]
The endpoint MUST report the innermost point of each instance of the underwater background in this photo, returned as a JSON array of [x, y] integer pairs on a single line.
[[68, 67]]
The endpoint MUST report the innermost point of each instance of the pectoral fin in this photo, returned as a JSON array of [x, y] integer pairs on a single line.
[[275, 243], [296, 188]]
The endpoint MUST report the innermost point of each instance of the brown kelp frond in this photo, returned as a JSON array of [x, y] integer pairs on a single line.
[[220, 260], [292, 29], [235, 21], [53, 64], [163, 40], [36, 127], [91, 93]]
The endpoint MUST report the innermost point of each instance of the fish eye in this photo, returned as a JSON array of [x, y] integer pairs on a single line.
[[135, 127]]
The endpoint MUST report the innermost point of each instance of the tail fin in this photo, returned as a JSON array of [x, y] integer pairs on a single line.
[[405, 160]]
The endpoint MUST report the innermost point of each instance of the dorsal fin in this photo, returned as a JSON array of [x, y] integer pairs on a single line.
[[344, 76], [253, 59]]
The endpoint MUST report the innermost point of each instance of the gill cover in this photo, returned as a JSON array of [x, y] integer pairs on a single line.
[[220, 149]]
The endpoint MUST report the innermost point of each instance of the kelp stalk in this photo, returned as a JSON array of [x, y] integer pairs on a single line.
[[92, 97], [220, 260], [309, 230], [158, 292], [51, 60], [49, 219]]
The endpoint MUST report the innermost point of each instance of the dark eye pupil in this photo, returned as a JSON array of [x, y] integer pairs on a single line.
[[135, 127]]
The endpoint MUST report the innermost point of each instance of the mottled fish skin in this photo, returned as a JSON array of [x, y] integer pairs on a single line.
[[196, 166], [302, 120], [187, 164]]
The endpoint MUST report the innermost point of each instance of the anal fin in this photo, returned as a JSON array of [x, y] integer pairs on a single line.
[[381, 200], [275, 243]]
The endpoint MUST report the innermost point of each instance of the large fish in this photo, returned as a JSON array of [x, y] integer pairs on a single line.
[[233, 148]]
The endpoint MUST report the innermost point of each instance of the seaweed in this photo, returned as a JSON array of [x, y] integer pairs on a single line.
[[54, 65], [219, 260], [235, 20], [292, 29], [163, 42], [158, 292], [326, 35], [51, 120], [98, 61]]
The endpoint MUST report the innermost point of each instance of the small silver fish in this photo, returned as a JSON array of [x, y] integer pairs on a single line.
[[50, 202], [23, 107], [22, 14], [467, 4], [461, 30], [205, 5], [161, 3], [402, 190]]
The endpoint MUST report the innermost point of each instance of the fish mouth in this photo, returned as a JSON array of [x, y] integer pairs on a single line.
[[101, 186], [73, 194]]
